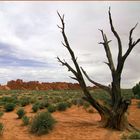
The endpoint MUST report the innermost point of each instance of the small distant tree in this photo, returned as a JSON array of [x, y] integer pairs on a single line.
[[136, 90], [113, 116]]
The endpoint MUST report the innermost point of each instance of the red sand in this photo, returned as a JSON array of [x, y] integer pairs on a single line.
[[73, 124]]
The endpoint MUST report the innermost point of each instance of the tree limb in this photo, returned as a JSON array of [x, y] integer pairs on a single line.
[[106, 88], [73, 78], [67, 65], [116, 35], [132, 43], [108, 52], [77, 72]]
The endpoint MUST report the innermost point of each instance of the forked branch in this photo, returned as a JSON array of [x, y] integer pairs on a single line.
[[106, 88], [105, 43], [132, 43], [77, 72], [116, 35], [64, 63]]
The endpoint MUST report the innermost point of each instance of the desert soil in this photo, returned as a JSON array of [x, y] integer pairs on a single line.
[[73, 124]]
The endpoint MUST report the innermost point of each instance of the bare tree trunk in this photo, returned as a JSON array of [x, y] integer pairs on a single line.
[[114, 116]]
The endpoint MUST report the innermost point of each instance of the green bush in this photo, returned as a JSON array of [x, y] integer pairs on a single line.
[[134, 135], [45, 103], [25, 120], [9, 107], [42, 123], [131, 136], [1, 128], [62, 106], [78, 102], [8, 99], [51, 108], [35, 107], [41, 105], [124, 136], [69, 103], [136, 90], [1, 114], [33, 100], [138, 104], [25, 101], [20, 113], [86, 105]]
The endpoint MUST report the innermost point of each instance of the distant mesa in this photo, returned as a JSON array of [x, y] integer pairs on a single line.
[[19, 84]]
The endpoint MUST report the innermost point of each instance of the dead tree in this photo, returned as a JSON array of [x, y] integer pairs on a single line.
[[113, 116]]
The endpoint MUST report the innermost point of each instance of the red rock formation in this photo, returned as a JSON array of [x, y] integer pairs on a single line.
[[36, 85], [4, 87]]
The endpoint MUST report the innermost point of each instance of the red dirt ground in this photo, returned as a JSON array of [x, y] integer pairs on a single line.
[[73, 124]]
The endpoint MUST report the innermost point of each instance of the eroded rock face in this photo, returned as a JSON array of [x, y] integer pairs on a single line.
[[4, 87], [36, 85]]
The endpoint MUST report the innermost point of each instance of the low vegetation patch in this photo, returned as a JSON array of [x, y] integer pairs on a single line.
[[131, 136], [51, 108], [42, 123], [25, 101], [1, 114], [9, 107], [20, 113], [35, 107], [138, 104], [25, 120], [136, 90], [1, 128], [62, 106]]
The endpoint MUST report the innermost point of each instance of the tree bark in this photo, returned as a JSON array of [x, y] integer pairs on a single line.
[[114, 116], [117, 118]]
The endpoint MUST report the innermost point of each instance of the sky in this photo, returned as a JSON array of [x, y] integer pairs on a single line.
[[30, 40]]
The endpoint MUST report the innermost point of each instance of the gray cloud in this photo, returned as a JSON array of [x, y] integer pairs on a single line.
[[36, 41], [8, 58]]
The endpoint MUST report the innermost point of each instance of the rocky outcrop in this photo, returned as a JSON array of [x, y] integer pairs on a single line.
[[36, 85], [4, 87]]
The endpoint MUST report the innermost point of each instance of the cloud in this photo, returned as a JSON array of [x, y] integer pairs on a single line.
[[8, 58], [30, 40]]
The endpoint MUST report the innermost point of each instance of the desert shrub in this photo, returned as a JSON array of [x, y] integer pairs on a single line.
[[8, 99], [124, 136], [136, 90], [74, 101], [1, 128], [25, 120], [35, 107], [9, 107], [131, 136], [62, 106], [20, 113], [69, 104], [25, 101], [90, 110], [33, 100], [138, 104], [45, 103], [134, 135], [41, 105], [78, 102], [86, 105], [42, 123], [51, 108], [57, 99], [1, 114]]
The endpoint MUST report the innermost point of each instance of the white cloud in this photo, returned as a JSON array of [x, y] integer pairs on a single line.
[[30, 28]]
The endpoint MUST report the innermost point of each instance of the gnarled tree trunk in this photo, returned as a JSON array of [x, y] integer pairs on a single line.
[[114, 116]]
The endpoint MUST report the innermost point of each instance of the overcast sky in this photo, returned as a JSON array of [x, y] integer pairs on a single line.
[[30, 40]]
